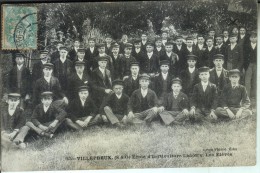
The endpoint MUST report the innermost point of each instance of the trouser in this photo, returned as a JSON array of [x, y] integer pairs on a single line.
[[147, 115], [250, 80], [40, 131], [5, 141], [170, 117], [60, 104], [201, 114], [94, 121], [113, 118], [221, 112]]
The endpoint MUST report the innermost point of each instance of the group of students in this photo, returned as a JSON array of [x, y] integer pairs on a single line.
[[80, 88]]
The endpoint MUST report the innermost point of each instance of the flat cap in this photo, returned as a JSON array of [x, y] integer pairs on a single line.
[[178, 37], [176, 80], [19, 55], [218, 56], [233, 72], [76, 39], [115, 45], [144, 76], [102, 58], [46, 93], [158, 38], [79, 63], [168, 43], [14, 95], [192, 57], [99, 45], [117, 82], [83, 88], [81, 50], [48, 65], [149, 43], [164, 62], [44, 52], [204, 69], [233, 35], [189, 38], [128, 45], [134, 63], [64, 48], [137, 40]]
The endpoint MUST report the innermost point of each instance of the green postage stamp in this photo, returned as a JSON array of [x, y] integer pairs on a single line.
[[19, 27]]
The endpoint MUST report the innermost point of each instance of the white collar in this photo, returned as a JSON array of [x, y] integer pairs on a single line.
[[225, 38], [191, 70], [119, 96], [220, 45], [91, 49], [169, 54], [19, 66], [242, 36], [48, 79], [234, 85], [62, 59], [102, 70], [150, 54], [80, 75], [190, 49], [127, 56], [115, 55], [164, 75], [102, 54], [11, 111], [210, 48], [174, 94], [204, 84], [200, 46], [159, 48], [82, 101], [179, 46], [144, 42], [144, 92], [233, 45], [219, 70], [253, 45], [45, 108], [44, 62], [134, 77]]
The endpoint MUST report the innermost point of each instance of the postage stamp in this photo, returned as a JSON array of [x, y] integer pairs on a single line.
[[19, 27]]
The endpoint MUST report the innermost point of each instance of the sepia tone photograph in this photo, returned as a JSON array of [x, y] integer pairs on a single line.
[[128, 85]]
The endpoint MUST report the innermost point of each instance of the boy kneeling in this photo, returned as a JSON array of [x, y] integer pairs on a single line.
[[234, 99], [46, 117], [82, 111], [175, 105], [13, 129]]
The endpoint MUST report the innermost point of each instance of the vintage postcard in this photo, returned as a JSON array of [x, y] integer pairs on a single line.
[[128, 85]]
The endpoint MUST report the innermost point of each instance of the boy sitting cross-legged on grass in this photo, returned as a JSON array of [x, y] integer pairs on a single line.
[[175, 105], [234, 99], [82, 111], [115, 106], [204, 98], [46, 117], [13, 129]]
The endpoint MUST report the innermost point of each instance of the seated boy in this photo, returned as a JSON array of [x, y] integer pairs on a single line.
[[46, 117], [204, 98], [235, 102], [13, 129], [175, 105], [82, 111], [115, 106]]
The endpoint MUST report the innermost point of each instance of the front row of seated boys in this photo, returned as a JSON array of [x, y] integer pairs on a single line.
[[119, 110]]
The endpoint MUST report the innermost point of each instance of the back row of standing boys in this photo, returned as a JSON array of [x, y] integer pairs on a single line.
[[164, 80]]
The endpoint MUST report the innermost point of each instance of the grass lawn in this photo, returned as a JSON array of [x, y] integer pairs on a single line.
[[157, 146]]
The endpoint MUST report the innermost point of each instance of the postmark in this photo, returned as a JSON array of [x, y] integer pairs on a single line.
[[19, 27]]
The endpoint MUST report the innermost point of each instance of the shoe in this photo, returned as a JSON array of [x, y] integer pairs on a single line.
[[120, 125], [49, 135], [22, 145]]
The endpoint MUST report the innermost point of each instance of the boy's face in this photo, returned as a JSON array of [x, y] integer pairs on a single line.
[[235, 31], [158, 43], [44, 57], [168, 48], [59, 45], [76, 43], [101, 50], [201, 40], [179, 42], [144, 37], [209, 42], [218, 63], [47, 100], [191, 63], [124, 37], [149, 48], [233, 39], [63, 53], [47, 72], [137, 45], [128, 50], [253, 39], [234, 79], [13, 102], [19, 60], [83, 95], [219, 40], [194, 35], [91, 43], [176, 87], [242, 31], [189, 43], [225, 33], [204, 76], [102, 64], [108, 40], [144, 83], [81, 55], [164, 68], [80, 69], [118, 89], [134, 70], [211, 33], [115, 50], [164, 35]]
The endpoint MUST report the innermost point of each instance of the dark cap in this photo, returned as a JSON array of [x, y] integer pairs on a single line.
[[158, 39], [117, 82], [169, 43], [149, 43], [203, 69], [200, 35], [102, 58], [83, 88], [218, 56], [79, 63], [64, 48], [176, 80], [48, 65], [233, 35], [59, 32], [145, 33], [209, 38], [253, 34], [189, 38], [115, 45], [46, 93], [137, 40], [19, 55], [164, 62], [81, 50], [144, 76], [192, 57], [219, 35], [14, 95], [234, 72], [178, 37], [128, 45], [135, 63], [101, 45], [76, 39], [44, 52], [91, 39]]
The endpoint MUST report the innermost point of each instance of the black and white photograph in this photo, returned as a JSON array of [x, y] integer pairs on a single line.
[[128, 85]]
